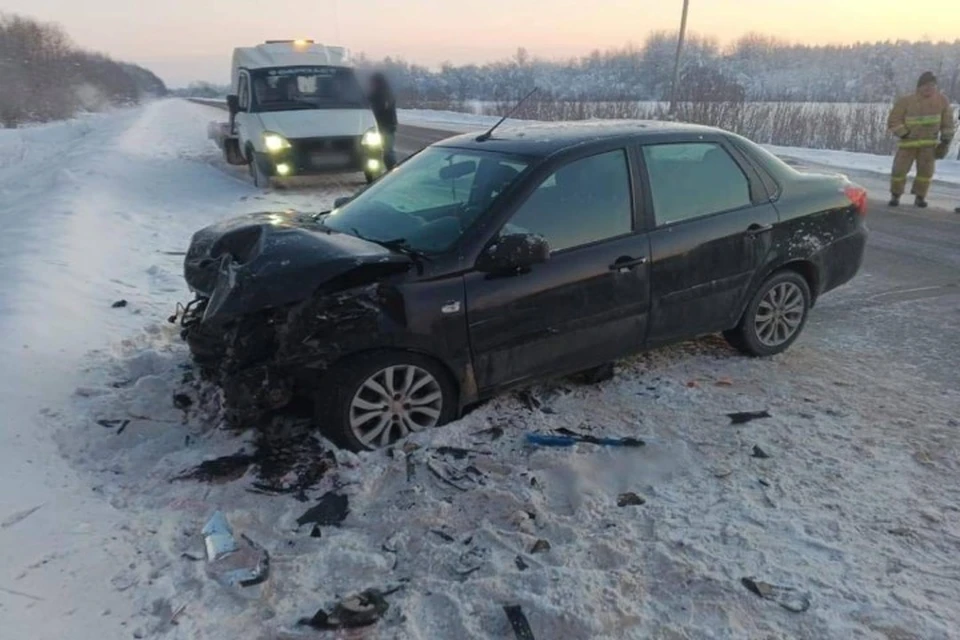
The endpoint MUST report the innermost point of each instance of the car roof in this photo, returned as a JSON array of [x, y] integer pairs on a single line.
[[549, 138]]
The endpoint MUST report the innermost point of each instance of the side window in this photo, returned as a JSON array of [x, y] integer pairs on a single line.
[[583, 202], [243, 92], [690, 180]]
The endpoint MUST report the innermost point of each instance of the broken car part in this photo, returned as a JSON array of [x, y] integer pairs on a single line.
[[233, 562], [518, 622]]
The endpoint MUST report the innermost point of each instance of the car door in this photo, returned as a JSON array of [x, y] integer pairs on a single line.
[[584, 306], [712, 228]]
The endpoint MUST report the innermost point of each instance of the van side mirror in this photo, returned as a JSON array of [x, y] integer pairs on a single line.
[[513, 252], [233, 104], [342, 200]]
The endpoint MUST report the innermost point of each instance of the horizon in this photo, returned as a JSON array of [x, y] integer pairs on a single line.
[[193, 51]]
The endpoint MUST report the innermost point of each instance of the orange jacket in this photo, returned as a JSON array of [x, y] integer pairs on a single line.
[[921, 122]]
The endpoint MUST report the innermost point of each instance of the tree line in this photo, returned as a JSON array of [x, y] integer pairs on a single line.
[[44, 76], [759, 67]]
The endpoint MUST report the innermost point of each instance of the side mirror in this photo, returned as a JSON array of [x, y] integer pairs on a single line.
[[342, 200], [514, 252], [233, 104]]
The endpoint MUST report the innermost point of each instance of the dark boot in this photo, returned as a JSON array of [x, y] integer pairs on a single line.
[[894, 200], [920, 201]]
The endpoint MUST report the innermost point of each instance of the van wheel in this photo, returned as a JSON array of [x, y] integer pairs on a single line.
[[260, 179], [775, 316], [373, 400]]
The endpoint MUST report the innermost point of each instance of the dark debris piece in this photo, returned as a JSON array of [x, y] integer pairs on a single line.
[[441, 534], [330, 511], [630, 499], [119, 304], [220, 470], [521, 564], [540, 546], [788, 598], [457, 453], [743, 417], [759, 453], [495, 433], [360, 610], [112, 424], [182, 401], [518, 622]]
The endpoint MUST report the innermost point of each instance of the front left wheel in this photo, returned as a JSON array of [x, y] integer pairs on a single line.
[[374, 400]]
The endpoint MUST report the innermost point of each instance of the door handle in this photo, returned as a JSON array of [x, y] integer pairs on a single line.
[[627, 263], [756, 229]]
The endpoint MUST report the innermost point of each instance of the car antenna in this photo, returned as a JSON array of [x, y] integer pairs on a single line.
[[483, 137]]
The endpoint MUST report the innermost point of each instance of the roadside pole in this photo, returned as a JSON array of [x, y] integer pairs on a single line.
[[676, 63]]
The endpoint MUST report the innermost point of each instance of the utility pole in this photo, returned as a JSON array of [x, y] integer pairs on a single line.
[[676, 63]]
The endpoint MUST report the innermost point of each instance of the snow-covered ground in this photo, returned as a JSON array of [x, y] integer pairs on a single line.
[[948, 170], [855, 509]]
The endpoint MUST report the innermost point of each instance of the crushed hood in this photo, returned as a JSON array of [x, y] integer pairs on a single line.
[[265, 260], [318, 123]]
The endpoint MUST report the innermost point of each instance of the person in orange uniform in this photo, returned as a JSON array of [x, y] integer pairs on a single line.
[[924, 123]]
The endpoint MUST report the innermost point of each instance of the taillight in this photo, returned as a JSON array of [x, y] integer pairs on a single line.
[[858, 198]]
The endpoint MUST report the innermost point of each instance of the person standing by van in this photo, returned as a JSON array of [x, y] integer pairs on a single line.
[[385, 111]]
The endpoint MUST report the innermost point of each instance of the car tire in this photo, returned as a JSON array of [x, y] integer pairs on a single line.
[[362, 410], [775, 317]]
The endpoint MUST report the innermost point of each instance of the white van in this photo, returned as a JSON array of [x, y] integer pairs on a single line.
[[296, 109]]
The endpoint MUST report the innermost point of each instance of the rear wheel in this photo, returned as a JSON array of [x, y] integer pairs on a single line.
[[376, 399], [775, 316]]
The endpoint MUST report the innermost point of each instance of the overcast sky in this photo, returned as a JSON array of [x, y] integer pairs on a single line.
[[184, 40]]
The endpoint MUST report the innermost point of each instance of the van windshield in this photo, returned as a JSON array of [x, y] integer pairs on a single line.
[[315, 87]]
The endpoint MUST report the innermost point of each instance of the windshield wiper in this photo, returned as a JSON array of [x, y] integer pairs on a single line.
[[403, 246]]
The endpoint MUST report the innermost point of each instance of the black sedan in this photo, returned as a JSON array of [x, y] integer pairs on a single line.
[[485, 262]]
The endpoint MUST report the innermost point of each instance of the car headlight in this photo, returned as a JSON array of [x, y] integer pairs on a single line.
[[274, 142], [372, 138]]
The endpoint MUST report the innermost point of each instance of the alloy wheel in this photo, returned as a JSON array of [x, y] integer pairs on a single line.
[[779, 314], [394, 402]]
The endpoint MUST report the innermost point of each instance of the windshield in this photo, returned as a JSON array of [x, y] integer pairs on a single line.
[[430, 200], [286, 88]]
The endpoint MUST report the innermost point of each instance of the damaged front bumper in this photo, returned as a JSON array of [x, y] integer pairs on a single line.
[[263, 360], [251, 390]]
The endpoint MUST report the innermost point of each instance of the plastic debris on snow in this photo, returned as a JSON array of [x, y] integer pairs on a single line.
[[743, 417], [233, 562], [569, 438], [359, 610], [788, 598], [330, 511], [518, 622]]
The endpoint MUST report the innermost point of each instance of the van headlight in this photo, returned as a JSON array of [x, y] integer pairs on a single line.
[[274, 142], [372, 139]]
